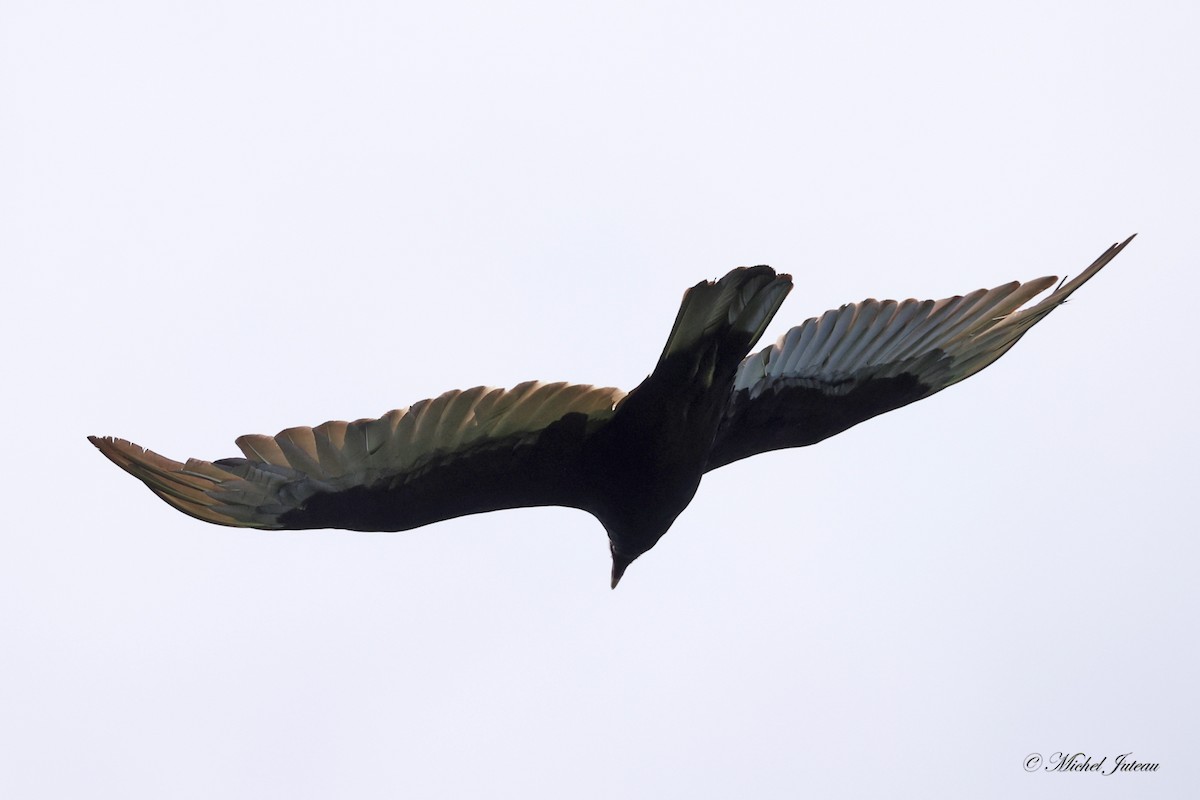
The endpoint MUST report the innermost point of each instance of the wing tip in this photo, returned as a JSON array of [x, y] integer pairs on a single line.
[[1068, 286], [171, 481], [121, 452]]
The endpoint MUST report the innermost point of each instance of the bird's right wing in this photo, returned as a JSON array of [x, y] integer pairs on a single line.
[[464, 452], [863, 359]]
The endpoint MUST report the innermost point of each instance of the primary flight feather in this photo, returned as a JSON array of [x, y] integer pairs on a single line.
[[634, 460]]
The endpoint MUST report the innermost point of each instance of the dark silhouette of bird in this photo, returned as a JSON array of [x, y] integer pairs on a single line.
[[634, 460]]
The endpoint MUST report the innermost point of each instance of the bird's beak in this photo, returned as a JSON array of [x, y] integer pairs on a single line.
[[620, 562]]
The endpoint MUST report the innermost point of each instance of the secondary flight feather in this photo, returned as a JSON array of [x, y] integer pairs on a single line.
[[634, 460]]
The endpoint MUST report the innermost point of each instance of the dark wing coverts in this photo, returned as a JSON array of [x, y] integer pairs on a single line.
[[464, 452], [863, 359]]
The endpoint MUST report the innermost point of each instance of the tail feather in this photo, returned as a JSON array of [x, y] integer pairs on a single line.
[[742, 302]]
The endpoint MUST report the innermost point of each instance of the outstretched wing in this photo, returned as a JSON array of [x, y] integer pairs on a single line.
[[866, 358], [464, 452]]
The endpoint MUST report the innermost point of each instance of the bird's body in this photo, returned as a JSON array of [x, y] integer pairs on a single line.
[[632, 460], [645, 465]]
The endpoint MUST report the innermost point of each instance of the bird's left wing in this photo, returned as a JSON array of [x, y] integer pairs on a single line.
[[463, 452], [863, 359]]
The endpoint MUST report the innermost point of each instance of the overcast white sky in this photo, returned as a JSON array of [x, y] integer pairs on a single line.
[[230, 217]]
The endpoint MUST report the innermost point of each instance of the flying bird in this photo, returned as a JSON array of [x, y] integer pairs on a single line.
[[632, 459]]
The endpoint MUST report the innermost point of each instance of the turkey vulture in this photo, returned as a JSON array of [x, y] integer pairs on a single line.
[[634, 460]]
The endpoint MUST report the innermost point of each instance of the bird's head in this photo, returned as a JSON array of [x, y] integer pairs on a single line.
[[620, 560], [627, 549], [631, 534]]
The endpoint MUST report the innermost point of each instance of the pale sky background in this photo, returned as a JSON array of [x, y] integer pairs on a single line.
[[230, 217]]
